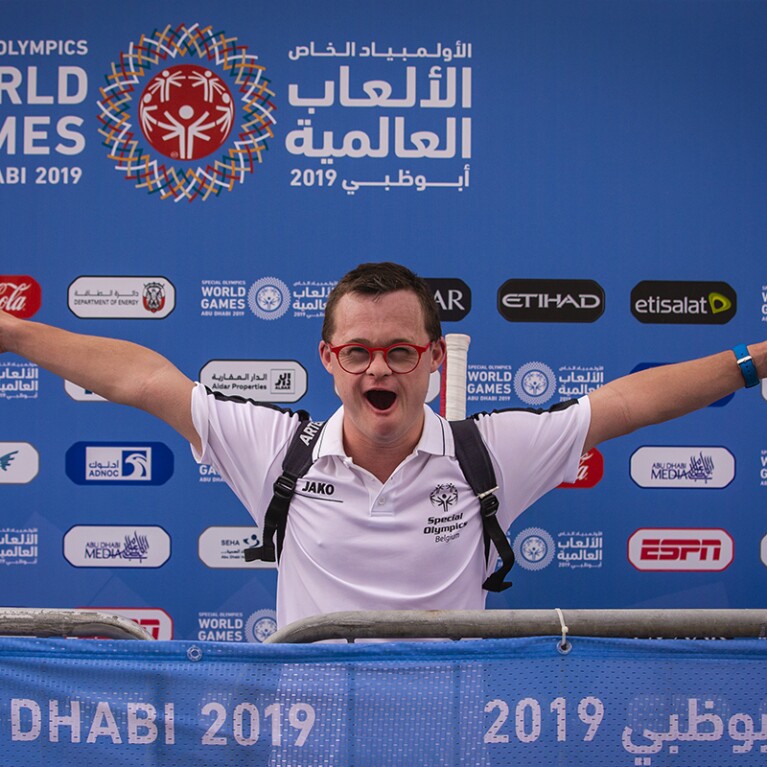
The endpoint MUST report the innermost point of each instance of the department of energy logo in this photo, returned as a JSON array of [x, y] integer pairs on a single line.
[[186, 112]]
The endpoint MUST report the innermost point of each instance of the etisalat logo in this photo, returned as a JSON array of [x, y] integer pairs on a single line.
[[699, 303], [186, 112]]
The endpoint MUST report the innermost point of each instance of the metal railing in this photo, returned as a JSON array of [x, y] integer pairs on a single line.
[[44, 622], [495, 624]]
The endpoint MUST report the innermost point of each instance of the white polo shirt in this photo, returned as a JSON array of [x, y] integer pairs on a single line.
[[413, 542]]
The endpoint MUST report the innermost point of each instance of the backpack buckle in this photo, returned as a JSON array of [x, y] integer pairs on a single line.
[[284, 486], [488, 503]]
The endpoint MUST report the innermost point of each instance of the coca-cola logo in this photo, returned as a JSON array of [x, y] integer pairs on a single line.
[[20, 295], [591, 469]]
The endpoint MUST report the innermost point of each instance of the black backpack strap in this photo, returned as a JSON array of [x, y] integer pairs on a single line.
[[474, 459], [296, 463]]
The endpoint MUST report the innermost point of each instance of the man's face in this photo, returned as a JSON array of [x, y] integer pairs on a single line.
[[380, 407]]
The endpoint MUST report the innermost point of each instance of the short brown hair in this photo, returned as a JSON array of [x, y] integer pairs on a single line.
[[377, 279]]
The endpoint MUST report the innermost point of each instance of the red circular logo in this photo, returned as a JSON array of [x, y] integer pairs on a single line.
[[186, 112]]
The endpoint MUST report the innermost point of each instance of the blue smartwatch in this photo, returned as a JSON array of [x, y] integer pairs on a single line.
[[746, 365]]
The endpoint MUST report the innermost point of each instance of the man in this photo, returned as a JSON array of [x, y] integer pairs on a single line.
[[384, 518]]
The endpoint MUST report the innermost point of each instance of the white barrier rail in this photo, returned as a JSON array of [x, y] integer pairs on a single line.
[[45, 622], [496, 624]]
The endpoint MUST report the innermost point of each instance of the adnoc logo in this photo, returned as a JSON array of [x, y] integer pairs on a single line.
[[186, 112]]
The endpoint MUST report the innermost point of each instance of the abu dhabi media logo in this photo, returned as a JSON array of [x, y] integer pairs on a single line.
[[119, 463], [133, 546], [187, 112], [707, 468]]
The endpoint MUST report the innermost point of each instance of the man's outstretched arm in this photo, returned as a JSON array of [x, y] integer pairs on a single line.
[[120, 371], [669, 391]]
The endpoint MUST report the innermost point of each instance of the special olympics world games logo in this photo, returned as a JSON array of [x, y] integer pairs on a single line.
[[203, 108]]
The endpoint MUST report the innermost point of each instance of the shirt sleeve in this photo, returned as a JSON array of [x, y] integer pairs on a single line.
[[244, 441], [534, 451]]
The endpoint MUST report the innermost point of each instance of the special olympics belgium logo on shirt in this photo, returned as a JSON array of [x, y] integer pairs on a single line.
[[186, 112]]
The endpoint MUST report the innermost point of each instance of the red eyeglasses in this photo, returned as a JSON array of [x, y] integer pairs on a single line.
[[357, 358]]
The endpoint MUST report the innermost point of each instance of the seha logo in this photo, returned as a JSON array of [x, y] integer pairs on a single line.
[[20, 295], [551, 300], [678, 303], [178, 128]]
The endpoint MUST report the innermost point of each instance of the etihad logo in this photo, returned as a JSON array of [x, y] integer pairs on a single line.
[[695, 303], [689, 549], [20, 295], [551, 300], [683, 467], [170, 121]]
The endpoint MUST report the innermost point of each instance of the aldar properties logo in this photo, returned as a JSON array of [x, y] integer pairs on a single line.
[[186, 112]]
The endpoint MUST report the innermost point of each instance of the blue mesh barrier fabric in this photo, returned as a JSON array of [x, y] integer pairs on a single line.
[[606, 703]]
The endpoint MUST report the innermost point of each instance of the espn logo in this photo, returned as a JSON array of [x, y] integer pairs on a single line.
[[154, 620], [688, 549]]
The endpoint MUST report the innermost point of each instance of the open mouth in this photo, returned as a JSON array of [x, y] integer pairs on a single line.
[[381, 399]]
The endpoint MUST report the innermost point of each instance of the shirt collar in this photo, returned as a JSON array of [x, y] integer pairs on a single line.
[[436, 438]]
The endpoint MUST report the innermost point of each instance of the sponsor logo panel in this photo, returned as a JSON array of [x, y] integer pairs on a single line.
[[453, 297], [131, 546], [224, 547], [235, 626], [20, 295], [683, 467], [764, 551], [678, 302], [119, 463], [535, 384], [19, 463], [267, 298], [19, 545], [525, 300], [261, 380], [81, 394], [591, 469], [683, 549], [126, 298], [763, 469], [155, 621], [19, 380], [536, 548]]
